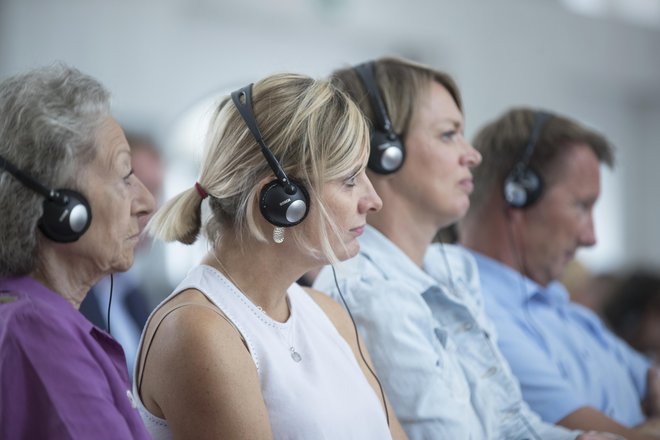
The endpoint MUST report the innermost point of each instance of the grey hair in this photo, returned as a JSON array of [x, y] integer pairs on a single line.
[[48, 123], [315, 130]]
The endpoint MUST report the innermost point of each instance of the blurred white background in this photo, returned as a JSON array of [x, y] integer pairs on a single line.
[[167, 61]]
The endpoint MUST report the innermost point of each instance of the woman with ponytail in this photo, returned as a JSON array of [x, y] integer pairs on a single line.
[[239, 350]]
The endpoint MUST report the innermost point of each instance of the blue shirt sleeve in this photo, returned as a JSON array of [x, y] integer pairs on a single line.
[[636, 363], [543, 386]]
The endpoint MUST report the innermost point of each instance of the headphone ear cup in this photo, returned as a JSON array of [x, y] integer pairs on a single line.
[[522, 188], [65, 223], [281, 208], [387, 153]]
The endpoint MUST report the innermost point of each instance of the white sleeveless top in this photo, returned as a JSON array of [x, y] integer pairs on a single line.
[[321, 394]]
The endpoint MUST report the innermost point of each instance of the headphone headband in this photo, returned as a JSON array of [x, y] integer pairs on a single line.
[[540, 118], [282, 202], [523, 186], [35, 186], [366, 73], [387, 151], [66, 213], [242, 99]]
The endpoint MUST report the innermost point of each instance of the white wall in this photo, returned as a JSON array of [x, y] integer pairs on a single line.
[[160, 57]]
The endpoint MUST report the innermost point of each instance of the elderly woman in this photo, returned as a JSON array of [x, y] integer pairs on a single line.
[[72, 211]]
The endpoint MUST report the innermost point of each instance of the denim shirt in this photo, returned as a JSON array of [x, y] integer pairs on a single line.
[[432, 346], [562, 353]]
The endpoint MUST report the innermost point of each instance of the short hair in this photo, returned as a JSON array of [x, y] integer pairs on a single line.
[[401, 84], [501, 142], [317, 133], [48, 123]]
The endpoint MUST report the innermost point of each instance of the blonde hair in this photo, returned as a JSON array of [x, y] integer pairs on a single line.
[[317, 134]]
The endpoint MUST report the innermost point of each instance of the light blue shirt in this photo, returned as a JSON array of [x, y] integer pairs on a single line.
[[561, 352], [432, 345]]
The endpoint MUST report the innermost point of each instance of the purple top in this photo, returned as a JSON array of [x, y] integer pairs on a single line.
[[60, 377]]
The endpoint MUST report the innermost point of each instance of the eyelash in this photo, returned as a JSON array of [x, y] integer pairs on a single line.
[[128, 176], [351, 181], [449, 135]]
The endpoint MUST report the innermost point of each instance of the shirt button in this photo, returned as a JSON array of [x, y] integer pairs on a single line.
[[467, 326], [489, 372]]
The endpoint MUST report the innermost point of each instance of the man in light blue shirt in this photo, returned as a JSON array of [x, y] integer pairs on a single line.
[[531, 210], [419, 307]]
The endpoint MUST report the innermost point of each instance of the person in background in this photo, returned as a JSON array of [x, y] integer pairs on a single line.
[[72, 212], [532, 208], [239, 350], [633, 311], [418, 305]]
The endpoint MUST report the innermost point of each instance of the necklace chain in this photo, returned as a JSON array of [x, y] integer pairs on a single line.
[[294, 354]]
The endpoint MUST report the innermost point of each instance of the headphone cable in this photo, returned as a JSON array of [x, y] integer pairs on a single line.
[[110, 302], [357, 338]]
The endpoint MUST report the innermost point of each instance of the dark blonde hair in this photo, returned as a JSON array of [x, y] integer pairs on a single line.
[[401, 84], [317, 134]]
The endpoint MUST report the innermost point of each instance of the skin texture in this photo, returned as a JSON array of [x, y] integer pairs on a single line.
[[120, 206]]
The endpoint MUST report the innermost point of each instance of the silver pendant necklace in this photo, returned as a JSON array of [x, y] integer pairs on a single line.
[[294, 354]]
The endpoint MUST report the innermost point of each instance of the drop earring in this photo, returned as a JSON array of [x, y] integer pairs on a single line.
[[278, 234]]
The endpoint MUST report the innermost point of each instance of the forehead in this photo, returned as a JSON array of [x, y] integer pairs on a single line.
[[111, 142], [579, 169], [435, 105]]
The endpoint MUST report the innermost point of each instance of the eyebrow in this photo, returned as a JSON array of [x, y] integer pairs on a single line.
[[355, 171]]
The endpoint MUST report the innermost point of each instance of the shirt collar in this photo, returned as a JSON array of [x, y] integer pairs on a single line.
[[35, 291], [393, 263], [513, 288]]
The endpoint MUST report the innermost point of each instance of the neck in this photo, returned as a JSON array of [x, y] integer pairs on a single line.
[[492, 235], [276, 267], [57, 273], [403, 225]]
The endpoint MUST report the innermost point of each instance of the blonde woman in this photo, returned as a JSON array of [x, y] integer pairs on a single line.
[[239, 350]]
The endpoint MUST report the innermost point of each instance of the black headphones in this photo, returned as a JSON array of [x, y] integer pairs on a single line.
[[387, 152], [282, 202], [66, 215], [523, 186]]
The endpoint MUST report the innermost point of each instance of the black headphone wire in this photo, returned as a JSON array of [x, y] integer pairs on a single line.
[[357, 338], [520, 259], [110, 302]]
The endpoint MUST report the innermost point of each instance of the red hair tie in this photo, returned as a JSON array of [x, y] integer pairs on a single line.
[[202, 193]]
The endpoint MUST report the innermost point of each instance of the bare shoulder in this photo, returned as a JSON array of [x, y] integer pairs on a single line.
[[191, 321], [199, 374]]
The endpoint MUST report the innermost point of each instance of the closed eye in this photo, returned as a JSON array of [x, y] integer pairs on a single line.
[[449, 136], [351, 180], [128, 177]]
